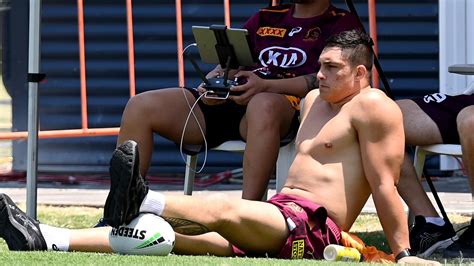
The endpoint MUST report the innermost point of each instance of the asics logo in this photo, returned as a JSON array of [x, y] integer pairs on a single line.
[[435, 97], [26, 222], [294, 31], [282, 57], [427, 240]]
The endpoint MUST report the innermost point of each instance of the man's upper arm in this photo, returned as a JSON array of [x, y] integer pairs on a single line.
[[379, 125]]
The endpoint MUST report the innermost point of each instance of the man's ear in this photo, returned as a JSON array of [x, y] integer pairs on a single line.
[[361, 72]]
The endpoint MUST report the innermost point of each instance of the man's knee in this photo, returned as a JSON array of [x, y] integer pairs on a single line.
[[267, 105], [465, 122], [135, 107], [225, 209]]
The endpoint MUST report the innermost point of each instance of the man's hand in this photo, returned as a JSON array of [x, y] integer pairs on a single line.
[[208, 101], [416, 260], [253, 85]]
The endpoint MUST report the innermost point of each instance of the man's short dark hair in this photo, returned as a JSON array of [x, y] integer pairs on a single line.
[[355, 47]]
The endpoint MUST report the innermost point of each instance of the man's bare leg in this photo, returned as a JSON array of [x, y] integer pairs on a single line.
[[163, 112], [267, 120], [250, 225], [97, 240], [411, 190], [90, 240], [419, 130], [205, 244], [465, 122]]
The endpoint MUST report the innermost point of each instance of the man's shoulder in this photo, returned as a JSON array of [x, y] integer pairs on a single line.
[[374, 104], [372, 96]]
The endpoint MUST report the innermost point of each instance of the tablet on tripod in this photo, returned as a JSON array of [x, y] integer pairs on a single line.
[[217, 42], [228, 47]]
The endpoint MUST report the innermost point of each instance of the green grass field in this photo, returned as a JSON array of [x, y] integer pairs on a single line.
[[367, 227]]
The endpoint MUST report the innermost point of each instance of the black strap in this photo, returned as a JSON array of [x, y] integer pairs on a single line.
[[36, 77], [382, 76], [404, 253]]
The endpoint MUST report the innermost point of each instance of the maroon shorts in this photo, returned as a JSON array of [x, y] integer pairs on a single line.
[[303, 241], [443, 110]]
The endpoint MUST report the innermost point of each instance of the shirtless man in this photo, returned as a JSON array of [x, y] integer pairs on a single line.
[[287, 40], [350, 144]]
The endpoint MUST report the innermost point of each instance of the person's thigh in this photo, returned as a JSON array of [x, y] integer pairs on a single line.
[[250, 225], [266, 109], [419, 128], [465, 120], [165, 111]]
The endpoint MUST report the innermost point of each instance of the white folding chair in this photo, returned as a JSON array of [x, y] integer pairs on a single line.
[[437, 149], [419, 162], [285, 158]]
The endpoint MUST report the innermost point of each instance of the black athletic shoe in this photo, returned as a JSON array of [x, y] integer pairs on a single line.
[[426, 238], [100, 223], [19, 231], [464, 246], [128, 188]]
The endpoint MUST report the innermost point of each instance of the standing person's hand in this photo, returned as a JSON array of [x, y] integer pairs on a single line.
[[251, 85]]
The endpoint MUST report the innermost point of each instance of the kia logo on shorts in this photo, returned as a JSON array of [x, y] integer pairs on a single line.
[[282, 57]]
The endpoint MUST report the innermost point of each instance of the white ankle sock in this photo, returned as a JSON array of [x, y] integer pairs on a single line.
[[56, 238], [435, 220], [153, 202]]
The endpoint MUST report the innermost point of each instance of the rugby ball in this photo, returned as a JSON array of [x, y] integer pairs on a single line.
[[148, 234]]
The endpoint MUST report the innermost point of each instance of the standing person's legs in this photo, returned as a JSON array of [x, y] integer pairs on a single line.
[[164, 112], [268, 119]]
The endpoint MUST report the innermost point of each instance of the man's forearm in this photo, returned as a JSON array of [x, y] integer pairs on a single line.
[[298, 86], [392, 217]]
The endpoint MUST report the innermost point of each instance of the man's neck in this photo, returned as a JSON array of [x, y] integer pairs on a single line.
[[312, 9], [338, 105]]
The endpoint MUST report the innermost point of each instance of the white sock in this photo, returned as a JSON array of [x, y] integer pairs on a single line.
[[153, 202], [435, 220], [56, 238]]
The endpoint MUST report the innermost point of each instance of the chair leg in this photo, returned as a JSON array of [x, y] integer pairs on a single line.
[[191, 163], [419, 161]]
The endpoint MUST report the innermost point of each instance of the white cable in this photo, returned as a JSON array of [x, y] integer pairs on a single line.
[[191, 108], [189, 45]]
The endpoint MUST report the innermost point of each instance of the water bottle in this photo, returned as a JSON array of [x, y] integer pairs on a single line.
[[340, 253]]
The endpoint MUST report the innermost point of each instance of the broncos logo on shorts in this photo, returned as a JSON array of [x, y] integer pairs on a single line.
[[435, 97]]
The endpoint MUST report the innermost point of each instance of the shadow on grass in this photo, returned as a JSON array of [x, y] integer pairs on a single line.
[[376, 239]]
